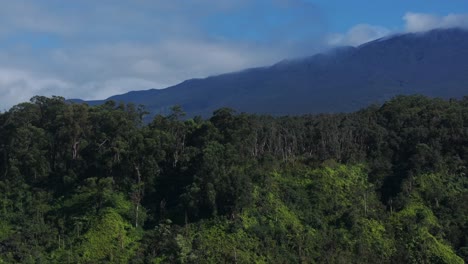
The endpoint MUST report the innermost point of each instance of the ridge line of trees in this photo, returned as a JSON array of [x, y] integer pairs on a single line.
[[82, 184]]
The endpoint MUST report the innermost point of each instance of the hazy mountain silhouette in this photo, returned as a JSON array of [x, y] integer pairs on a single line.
[[434, 63]]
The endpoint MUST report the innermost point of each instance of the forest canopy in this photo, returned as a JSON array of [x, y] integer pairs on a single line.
[[96, 184]]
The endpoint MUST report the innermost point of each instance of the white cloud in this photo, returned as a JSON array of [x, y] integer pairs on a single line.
[[357, 35], [18, 86], [418, 22]]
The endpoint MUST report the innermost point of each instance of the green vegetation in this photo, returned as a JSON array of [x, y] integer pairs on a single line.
[[387, 184]]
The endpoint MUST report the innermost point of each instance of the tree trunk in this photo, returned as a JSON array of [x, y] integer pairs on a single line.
[[138, 194]]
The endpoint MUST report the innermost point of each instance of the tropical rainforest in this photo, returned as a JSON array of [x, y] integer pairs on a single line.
[[97, 184]]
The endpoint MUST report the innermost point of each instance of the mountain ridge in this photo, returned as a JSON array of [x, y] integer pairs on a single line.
[[344, 79]]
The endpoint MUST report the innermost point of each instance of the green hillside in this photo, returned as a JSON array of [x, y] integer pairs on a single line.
[[82, 184]]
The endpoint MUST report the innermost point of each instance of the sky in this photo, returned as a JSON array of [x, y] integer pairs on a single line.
[[92, 49]]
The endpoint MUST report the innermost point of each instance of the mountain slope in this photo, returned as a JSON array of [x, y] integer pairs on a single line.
[[433, 63]]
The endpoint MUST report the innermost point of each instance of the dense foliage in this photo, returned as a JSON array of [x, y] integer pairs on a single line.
[[387, 184]]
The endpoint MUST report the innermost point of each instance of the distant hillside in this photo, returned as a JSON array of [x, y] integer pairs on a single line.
[[343, 80]]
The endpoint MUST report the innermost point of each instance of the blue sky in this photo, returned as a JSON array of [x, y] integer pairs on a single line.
[[94, 49]]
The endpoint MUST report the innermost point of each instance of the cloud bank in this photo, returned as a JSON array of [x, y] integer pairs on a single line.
[[94, 49], [418, 22]]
